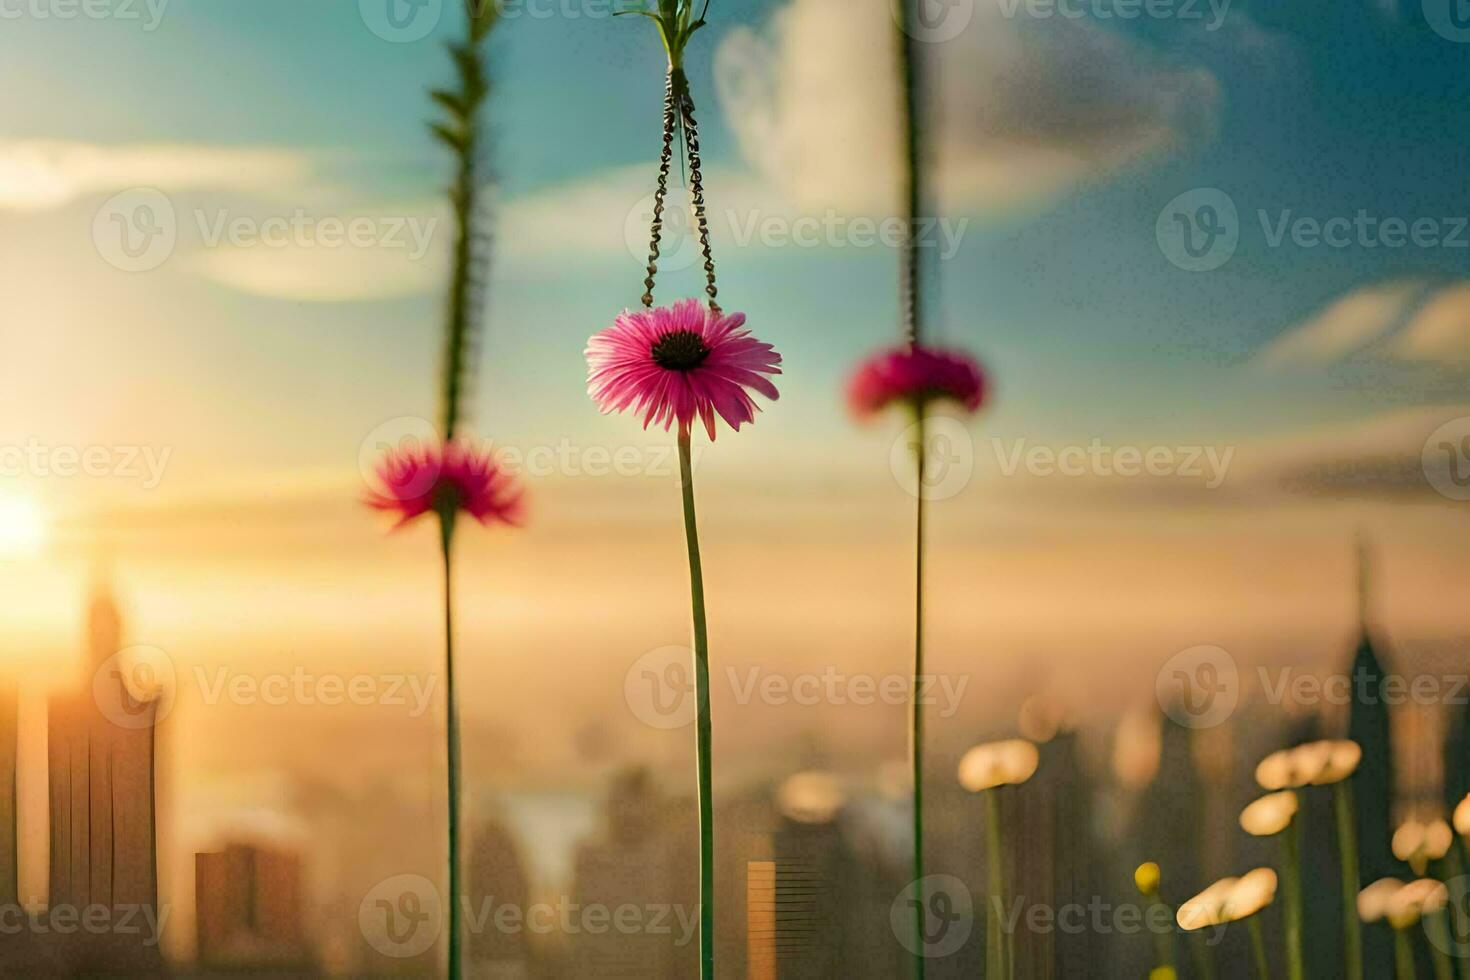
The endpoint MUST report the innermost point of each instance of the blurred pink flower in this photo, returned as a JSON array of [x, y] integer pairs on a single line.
[[915, 375], [673, 363], [413, 481]]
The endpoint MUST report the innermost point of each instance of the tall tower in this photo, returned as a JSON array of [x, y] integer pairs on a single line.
[[9, 816], [101, 780]]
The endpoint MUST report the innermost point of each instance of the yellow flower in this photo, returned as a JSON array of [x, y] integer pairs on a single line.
[[1462, 817], [1420, 843], [1313, 764], [1415, 900], [1269, 815], [1228, 900], [1343, 757], [1146, 877], [1373, 901], [811, 797], [1162, 973], [1007, 763], [1253, 892]]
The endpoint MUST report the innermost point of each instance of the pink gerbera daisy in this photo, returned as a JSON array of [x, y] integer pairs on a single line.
[[916, 376], [674, 363], [420, 479]]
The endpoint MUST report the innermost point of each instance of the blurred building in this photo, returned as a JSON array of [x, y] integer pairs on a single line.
[[100, 774], [9, 818], [249, 908]]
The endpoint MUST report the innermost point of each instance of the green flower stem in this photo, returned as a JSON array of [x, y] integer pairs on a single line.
[[1204, 957], [1347, 841], [1457, 870], [998, 961], [916, 710], [702, 720], [1291, 870], [1163, 939], [1403, 954], [1258, 946], [1436, 926], [446, 540]]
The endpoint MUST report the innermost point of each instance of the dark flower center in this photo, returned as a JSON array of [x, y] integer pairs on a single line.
[[680, 350]]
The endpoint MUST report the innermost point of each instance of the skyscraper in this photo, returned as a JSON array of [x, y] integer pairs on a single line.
[[101, 783], [249, 901], [9, 837]]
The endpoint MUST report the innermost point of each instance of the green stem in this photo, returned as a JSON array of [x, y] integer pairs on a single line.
[[1347, 841], [702, 720], [1163, 939], [1403, 955], [916, 710], [1258, 945], [996, 958], [446, 540], [1204, 957], [1292, 873], [1458, 922], [1436, 927]]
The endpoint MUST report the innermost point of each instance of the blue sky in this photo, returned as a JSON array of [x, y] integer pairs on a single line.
[[1082, 129]]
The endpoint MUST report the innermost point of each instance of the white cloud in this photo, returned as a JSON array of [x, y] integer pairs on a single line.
[[1025, 107], [40, 174], [1408, 321]]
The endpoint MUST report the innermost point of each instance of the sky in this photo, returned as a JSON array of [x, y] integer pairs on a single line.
[[1235, 234]]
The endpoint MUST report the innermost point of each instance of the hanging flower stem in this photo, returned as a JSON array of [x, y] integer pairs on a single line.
[[1258, 947], [702, 734], [1291, 841], [1347, 842]]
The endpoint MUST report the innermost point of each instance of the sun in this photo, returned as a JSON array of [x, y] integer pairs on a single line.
[[22, 527]]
